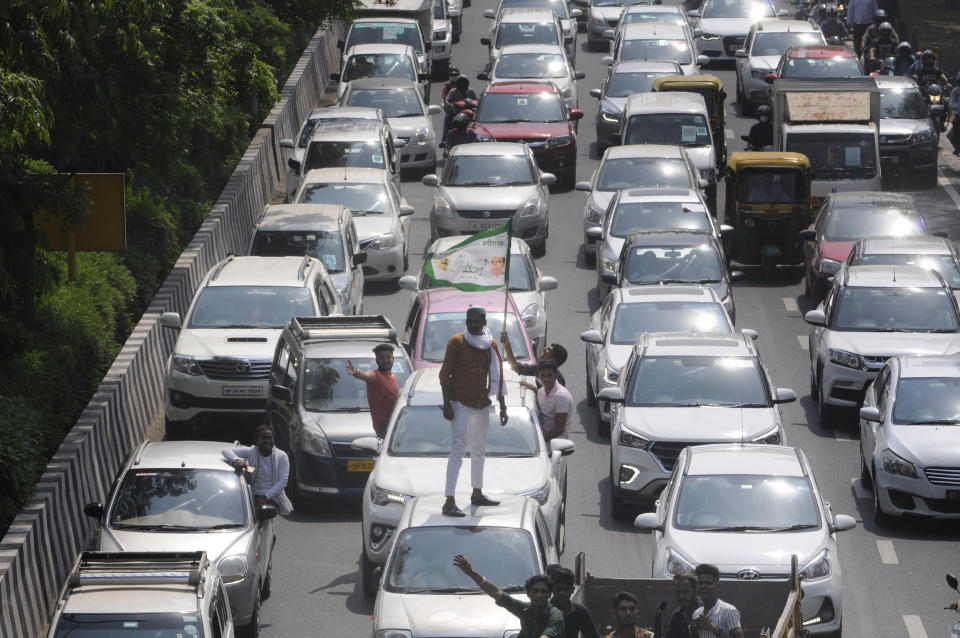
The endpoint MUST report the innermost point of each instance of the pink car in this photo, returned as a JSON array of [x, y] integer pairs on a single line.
[[439, 313]]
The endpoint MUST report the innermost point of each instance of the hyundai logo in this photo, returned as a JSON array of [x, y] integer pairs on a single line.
[[748, 574], [486, 214], [243, 366]]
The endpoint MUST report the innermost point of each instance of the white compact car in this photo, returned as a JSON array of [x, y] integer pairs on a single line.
[[537, 62], [761, 53], [748, 509], [656, 41], [724, 25]]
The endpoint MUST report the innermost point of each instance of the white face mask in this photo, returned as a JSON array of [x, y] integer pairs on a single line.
[[764, 118]]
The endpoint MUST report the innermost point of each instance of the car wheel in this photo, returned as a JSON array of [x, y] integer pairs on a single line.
[[561, 542], [929, 179], [825, 411], [807, 290], [879, 516], [267, 583], [570, 179], [539, 250], [591, 395], [618, 508], [406, 256], [865, 479], [252, 629], [814, 388], [367, 581]]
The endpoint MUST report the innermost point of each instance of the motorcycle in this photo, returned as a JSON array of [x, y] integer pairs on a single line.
[[952, 582], [935, 102]]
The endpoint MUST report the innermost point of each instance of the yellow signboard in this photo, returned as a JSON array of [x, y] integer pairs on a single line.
[[105, 227]]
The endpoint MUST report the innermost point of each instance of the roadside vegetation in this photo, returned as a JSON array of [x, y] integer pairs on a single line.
[[934, 24]]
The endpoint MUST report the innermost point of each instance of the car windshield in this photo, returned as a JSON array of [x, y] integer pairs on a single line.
[[328, 388], [835, 67], [618, 3], [654, 16], [643, 172], [865, 222], [737, 9], [438, 9], [179, 499], [683, 129], [420, 560], [861, 309], [393, 102], [498, 108], [624, 83], [421, 430], [673, 264], [327, 246], [518, 271], [529, 65], [633, 319], [943, 264], [441, 326], [927, 400], [378, 65], [746, 503], [488, 170], [670, 50], [903, 104], [339, 154], [775, 43], [559, 6], [631, 217], [837, 155], [386, 32], [358, 197], [222, 307], [129, 625], [695, 381], [527, 33], [771, 186]]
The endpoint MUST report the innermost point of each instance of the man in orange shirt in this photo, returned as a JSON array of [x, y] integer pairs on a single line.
[[469, 375], [382, 387]]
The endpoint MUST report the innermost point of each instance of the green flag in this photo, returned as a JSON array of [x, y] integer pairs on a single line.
[[480, 262]]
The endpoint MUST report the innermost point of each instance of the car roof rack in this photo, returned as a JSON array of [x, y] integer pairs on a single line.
[[336, 328], [140, 568]]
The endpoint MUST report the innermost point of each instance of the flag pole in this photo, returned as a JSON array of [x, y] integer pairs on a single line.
[[506, 291]]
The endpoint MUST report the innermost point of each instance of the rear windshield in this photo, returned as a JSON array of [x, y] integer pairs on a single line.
[[670, 50], [643, 172], [527, 33], [757, 185], [327, 246], [631, 217], [623, 84], [520, 107], [387, 32], [775, 43], [838, 67], [393, 102], [864, 222], [526, 65], [379, 65], [340, 154], [675, 129]]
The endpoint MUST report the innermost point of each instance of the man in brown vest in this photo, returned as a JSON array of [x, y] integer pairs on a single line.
[[469, 374]]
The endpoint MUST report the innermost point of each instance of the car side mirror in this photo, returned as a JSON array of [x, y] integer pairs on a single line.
[[870, 414], [485, 41], [695, 13], [750, 332], [567, 40], [782, 13], [366, 444], [429, 180], [736, 275], [575, 114], [591, 336], [579, 75], [548, 283], [483, 76], [785, 395], [703, 184], [612, 395], [595, 93], [170, 320], [94, 510], [407, 282], [399, 143], [952, 581], [406, 210], [648, 522], [815, 318], [769, 78], [726, 229], [335, 77], [548, 179], [607, 34], [594, 232], [287, 144], [697, 32], [489, 13], [607, 59], [842, 522], [565, 447], [281, 393], [808, 234], [740, 53], [609, 278], [294, 164], [359, 258], [702, 60], [575, 13], [582, 186], [266, 512]]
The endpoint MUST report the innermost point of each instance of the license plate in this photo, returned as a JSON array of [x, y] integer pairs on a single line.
[[360, 465], [243, 390], [953, 495], [484, 225]]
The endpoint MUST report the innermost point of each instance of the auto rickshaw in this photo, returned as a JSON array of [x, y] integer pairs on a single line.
[[711, 88], [768, 204]]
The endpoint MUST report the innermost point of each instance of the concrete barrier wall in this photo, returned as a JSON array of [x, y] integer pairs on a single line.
[[40, 547]]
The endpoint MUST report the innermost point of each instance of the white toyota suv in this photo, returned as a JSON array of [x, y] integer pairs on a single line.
[[220, 366]]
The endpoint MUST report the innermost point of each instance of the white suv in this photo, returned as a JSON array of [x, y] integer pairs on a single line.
[[219, 369]]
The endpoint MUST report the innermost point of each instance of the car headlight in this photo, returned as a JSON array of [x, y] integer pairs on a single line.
[[773, 437], [709, 36], [539, 495], [595, 215], [676, 564], [845, 359], [442, 207], [314, 442], [389, 240], [923, 136], [421, 136], [531, 316], [610, 374], [629, 439], [531, 207], [607, 116], [817, 567], [608, 264], [233, 569], [186, 365], [440, 34], [558, 140], [380, 496], [829, 266], [893, 463], [394, 633]]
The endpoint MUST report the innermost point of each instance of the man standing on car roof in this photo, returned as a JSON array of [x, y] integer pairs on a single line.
[[469, 374], [382, 387]]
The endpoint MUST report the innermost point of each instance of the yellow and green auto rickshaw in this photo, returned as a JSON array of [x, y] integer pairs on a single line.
[[768, 204], [711, 88]]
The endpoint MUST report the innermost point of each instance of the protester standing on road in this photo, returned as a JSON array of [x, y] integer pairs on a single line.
[[554, 402], [554, 352], [538, 618], [860, 16], [715, 617], [469, 375], [382, 387], [627, 608], [271, 469], [577, 620], [685, 586]]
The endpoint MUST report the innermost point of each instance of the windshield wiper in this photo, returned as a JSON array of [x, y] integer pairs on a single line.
[[439, 590], [738, 528], [342, 410], [790, 528], [159, 528], [746, 405], [225, 526], [934, 422], [519, 119], [476, 184], [517, 183]]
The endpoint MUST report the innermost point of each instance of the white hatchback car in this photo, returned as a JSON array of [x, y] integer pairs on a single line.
[[537, 62], [761, 52], [411, 459], [724, 24], [656, 41], [380, 60], [748, 509]]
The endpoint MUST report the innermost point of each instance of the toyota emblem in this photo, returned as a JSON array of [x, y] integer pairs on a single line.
[[748, 574], [486, 214], [243, 366]]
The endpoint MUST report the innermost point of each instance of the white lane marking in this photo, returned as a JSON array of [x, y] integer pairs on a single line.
[[914, 627], [859, 491], [791, 304], [841, 435], [945, 182], [728, 132], [887, 553], [804, 342]]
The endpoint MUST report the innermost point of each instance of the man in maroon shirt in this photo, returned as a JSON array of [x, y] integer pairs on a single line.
[[382, 387]]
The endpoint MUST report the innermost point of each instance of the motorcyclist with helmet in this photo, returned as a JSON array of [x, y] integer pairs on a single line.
[[459, 133], [927, 72], [832, 27], [872, 34], [954, 103], [904, 60], [819, 13], [884, 45], [761, 133], [953, 106], [459, 92]]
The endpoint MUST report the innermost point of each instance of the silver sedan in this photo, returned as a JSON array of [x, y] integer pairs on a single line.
[[537, 62]]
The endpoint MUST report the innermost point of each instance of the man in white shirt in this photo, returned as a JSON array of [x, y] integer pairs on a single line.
[[554, 402], [271, 468], [715, 617]]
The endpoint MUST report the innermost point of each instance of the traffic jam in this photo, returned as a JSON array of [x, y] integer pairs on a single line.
[[729, 374]]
